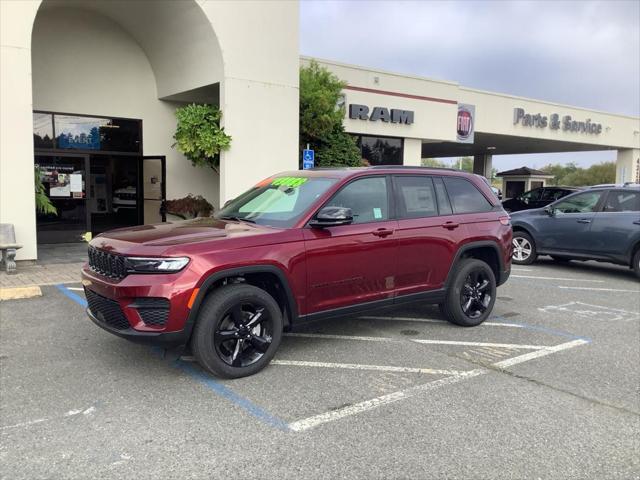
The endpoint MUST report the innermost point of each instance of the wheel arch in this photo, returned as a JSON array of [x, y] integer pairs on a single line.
[[488, 251], [267, 277]]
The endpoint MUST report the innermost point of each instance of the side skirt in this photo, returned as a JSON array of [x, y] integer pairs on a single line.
[[432, 296]]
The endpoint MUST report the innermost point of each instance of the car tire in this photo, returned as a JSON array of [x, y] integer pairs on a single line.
[[524, 249], [471, 293], [225, 343], [560, 259], [636, 263]]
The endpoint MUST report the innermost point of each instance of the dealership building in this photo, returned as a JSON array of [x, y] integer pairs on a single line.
[[89, 90]]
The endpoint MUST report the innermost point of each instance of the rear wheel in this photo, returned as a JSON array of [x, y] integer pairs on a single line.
[[636, 263], [471, 294], [524, 249], [238, 331]]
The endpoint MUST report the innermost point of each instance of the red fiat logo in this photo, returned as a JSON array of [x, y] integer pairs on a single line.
[[465, 123]]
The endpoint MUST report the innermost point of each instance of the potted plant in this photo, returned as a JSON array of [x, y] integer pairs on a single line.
[[188, 207]]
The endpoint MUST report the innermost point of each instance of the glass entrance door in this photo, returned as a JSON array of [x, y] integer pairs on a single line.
[[64, 180], [153, 189]]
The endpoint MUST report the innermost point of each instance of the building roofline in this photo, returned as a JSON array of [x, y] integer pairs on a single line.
[[546, 102], [377, 70]]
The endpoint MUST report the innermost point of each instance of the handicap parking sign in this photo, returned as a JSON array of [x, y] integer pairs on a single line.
[[308, 159]]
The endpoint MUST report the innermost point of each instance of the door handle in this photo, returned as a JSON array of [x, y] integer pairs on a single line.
[[584, 220], [382, 232], [450, 225]]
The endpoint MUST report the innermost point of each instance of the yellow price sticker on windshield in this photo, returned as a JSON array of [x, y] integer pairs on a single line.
[[289, 181]]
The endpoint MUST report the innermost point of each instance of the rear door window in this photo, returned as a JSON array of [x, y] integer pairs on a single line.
[[622, 201], [465, 197], [444, 205], [415, 197]]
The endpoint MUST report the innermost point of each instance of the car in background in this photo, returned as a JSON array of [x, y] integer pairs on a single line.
[[537, 198], [600, 224], [125, 199]]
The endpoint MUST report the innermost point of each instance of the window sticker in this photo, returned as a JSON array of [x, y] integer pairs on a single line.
[[292, 182], [377, 213]]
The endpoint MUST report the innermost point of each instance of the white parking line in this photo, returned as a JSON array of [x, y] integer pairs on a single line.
[[444, 322], [354, 366], [598, 289], [344, 337], [314, 421], [564, 279], [76, 289], [481, 344], [540, 353], [522, 269]]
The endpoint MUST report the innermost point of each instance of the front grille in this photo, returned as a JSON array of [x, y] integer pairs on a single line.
[[108, 264], [153, 311], [106, 310]]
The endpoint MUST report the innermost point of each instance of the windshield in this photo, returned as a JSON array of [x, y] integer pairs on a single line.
[[276, 201]]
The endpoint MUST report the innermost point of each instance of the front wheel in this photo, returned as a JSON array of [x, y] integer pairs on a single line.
[[237, 332], [471, 294], [524, 249]]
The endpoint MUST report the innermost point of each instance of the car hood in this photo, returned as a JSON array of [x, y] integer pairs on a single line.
[[179, 237], [523, 214]]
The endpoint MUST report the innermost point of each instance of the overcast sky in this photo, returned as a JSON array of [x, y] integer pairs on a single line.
[[583, 53]]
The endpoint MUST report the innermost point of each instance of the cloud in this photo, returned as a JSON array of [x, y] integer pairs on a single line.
[[584, 53]]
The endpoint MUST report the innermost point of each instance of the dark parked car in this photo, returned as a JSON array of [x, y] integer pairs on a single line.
[[297, 247], [597, 224], [537, 198]]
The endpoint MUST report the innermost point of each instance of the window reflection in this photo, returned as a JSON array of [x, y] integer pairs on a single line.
[[380, 150], [42, 130]]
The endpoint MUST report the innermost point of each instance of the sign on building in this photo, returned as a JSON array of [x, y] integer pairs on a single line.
[[465, 123]]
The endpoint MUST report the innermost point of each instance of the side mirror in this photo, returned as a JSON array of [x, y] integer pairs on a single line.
[[550, 210], [331, 217]]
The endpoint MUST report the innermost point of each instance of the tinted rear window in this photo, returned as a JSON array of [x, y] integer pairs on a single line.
[[465, 197]]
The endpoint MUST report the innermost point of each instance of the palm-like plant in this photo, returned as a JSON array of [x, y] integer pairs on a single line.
[[43, 203]]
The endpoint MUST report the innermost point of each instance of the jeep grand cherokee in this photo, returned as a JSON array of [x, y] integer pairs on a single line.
[[297, 247]]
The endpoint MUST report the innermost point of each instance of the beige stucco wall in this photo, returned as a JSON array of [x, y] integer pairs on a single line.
[[628, 166], [84, 62], [250, 48]]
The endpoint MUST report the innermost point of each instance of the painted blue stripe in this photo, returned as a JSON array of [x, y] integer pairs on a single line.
[[228, 394], [537, 328], [73, 296], [203, 378]]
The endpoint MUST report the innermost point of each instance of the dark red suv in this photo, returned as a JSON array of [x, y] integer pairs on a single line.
[[298, 247]]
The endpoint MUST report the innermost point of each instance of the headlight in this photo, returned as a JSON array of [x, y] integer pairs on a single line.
[[155, 265]]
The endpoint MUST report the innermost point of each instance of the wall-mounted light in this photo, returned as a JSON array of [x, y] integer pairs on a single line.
[[491, 148]]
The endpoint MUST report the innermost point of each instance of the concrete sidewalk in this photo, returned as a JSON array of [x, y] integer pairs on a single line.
[[41, 274]]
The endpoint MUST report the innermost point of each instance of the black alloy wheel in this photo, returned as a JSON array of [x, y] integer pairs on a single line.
[[238, 330], [244, 334], [471, 293], [475, 296]]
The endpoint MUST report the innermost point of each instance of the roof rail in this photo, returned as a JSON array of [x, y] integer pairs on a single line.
[[409, 167]]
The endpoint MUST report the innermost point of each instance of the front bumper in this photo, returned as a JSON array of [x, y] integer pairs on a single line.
[[129, 307], [162, 339]]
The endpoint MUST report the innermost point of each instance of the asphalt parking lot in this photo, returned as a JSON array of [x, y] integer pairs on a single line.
[[549, 387]]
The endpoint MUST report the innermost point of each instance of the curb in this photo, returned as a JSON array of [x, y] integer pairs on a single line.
[[16, 293]]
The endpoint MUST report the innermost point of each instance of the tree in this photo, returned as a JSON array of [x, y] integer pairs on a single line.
[[199, 136], [572, 175], [321, 118]]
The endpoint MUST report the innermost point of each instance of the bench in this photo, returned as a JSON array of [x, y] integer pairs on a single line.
[[8, 247]]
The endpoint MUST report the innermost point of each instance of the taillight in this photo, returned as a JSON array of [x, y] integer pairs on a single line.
[[506, 221]]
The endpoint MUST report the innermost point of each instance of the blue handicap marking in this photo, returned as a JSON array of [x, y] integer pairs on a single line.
[[308, 159]]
